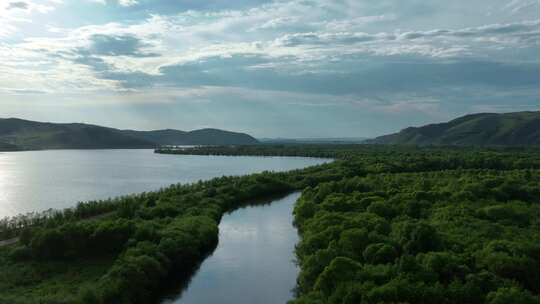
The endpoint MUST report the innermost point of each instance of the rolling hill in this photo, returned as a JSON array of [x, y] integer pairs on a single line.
[[30, 135], [484, 129], [196, 137]]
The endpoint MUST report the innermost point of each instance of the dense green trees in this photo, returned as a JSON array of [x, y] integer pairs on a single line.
[[458, 236]]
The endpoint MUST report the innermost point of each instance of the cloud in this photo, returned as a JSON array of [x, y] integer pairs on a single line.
[[103, 2], [349, 77], [521, 31], [330, 39], [178, 51], [507, 31], [122, 45], [18, 5], [128, 2], [521, 5], [18, 14], [124, 3]]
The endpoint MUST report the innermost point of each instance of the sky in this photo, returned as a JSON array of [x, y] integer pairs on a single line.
[[295, 68]]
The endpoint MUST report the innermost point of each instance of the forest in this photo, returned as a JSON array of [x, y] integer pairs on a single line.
[[448, 236], [380, 224]]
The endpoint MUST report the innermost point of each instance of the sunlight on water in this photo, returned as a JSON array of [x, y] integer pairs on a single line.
[[39, 180], [6, 182]]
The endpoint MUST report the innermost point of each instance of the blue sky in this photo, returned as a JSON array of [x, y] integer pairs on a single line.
[[297, 68]]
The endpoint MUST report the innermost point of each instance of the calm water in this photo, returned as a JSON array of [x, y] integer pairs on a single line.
[[36, 181], [253, 263]]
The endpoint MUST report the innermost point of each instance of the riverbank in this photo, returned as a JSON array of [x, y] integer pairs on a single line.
[[150, 237], [30, 193]]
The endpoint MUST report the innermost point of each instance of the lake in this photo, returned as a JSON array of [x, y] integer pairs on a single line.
[[39, 180], [253, 262]]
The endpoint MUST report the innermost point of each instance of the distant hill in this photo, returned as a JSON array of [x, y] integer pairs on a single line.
[[318, 141], [39, 135], [23, 134], [197, 137], [520, 128]]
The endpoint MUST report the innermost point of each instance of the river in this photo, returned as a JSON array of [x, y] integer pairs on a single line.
[[253, 262]]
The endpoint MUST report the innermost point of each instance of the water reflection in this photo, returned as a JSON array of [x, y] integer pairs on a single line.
[[39, 180], [253, 262]]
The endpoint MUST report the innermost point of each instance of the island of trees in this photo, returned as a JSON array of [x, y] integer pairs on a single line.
[[380, 224]]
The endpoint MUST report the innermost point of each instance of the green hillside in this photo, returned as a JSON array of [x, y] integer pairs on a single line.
[[487, 129], [197, 137], [39, 135], [17, 133]]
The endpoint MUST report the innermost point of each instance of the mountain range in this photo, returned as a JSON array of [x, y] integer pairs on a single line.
[[484, 129], [19, 134]]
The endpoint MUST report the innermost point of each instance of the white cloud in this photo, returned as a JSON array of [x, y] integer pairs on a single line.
[[15, 13], [124, 3], [127, 2], [17, 5], [521, 5]]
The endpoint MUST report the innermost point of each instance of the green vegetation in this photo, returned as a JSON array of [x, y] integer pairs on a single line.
[[445, 236], [29, 135], [521, 128], [323, 151], [418, 225], [4, 147], [378, 225], [128, 255]]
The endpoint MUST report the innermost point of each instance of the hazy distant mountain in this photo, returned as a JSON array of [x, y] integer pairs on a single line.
[[197, 137], [520, 128], [38, 135], [331, 140], [24, 134]]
